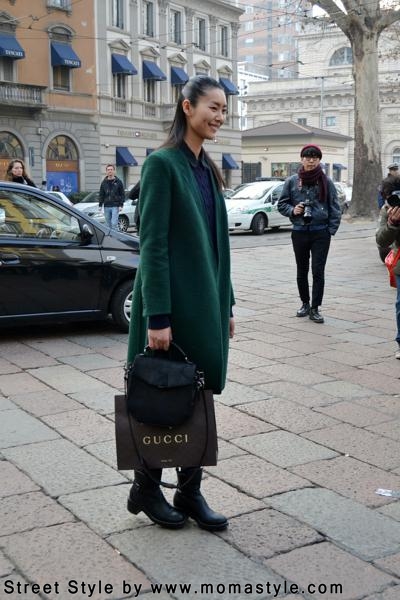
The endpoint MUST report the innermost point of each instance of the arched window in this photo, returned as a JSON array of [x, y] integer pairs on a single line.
[[343, 56], [396, 155], [10, 146], [62, 148]]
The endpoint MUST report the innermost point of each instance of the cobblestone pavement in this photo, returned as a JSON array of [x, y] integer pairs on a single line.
[[309, 427]]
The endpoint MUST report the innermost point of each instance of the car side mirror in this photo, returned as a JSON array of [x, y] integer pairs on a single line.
[[86, 233]]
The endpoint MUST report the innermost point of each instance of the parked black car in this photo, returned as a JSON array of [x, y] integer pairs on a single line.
[[57, 264]]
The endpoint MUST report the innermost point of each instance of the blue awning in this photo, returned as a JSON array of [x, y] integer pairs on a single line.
[[62, 55], [178, 76], [152, 71], [228, 162], [229, 87], [123, 157], [121, 64], [10, 47], [339, 166]]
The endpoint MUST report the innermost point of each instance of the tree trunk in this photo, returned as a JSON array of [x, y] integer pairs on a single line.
[[367, 143]]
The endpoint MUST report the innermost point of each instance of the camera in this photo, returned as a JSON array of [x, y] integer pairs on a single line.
[[394, 198], [307, 215]]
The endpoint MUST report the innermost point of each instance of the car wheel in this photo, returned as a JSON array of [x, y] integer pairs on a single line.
[[383, 252], [121, 305], [258, 224], [123, 223]]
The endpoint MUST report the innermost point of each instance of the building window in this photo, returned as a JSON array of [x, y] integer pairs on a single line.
[[61, 78], [150, 91], [6, 69], [201, 34], [62, 148], [249, 10], [223, 40], [175, 26], [148, 18], [330, 121], [302, 121], [343, 56], [248, 26], [119, 85], [10, 146], [61, 4], [117, 18], [396, 155], [176, 92]]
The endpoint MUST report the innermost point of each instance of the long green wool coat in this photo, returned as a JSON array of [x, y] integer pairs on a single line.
[[179, 273]]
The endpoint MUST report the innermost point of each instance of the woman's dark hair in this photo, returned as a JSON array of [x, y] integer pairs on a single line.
[[192, 90], [9, 175]]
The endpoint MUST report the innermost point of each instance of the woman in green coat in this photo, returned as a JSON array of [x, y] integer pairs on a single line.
[[183, 289]]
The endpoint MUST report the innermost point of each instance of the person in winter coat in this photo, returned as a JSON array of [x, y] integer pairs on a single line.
[[388, 234], [111, 196], [310, 201], [183, 288], [16, 172]]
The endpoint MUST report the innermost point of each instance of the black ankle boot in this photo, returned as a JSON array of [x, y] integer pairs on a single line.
[[190, 501], [316, 316], [303, 310], [145, 495]]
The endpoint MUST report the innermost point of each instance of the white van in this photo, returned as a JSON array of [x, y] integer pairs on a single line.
[[255, 207]]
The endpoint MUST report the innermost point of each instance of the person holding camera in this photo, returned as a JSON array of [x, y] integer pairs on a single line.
[[388, 234], [309, 200]]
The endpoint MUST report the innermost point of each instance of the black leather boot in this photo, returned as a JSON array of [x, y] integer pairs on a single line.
[[190, 501], [316, 316], [145, 495], [303, 310]]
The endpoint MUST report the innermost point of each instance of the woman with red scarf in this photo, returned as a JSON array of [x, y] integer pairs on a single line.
[[310, 201]]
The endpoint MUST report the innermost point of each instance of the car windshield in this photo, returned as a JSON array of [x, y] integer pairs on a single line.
[[253, 191]]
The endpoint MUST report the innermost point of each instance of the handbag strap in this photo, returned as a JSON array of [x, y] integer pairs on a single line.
[[145, 468]]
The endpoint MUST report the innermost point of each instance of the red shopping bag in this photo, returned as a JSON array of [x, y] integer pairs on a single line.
[[391, 261]]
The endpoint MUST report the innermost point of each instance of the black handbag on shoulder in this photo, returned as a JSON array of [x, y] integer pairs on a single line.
[[161, 387]]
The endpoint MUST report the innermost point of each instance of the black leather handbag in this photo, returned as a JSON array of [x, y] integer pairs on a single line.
[[161, 387]]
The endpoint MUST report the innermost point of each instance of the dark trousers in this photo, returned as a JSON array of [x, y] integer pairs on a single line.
[[314, 244]]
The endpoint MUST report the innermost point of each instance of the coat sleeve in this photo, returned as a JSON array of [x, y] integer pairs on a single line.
[[285, 205], [155, 209], [335, 214], [101, 194], [386, 234]]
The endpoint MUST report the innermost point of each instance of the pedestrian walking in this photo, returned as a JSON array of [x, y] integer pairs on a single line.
[[16, 172], [111, 196], [388, 234], [310, 201], [183, 289]]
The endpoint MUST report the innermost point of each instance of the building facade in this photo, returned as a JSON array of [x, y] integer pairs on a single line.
[[323, 94], [48, 112], [146, 51]]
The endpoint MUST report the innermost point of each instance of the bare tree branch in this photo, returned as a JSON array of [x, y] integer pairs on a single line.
[[336, 13]]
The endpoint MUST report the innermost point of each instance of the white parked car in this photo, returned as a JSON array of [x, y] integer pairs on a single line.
[[255, 207], [61, 196], [90, 206]]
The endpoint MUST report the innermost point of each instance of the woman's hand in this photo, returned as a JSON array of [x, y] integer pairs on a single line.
[[298, 209], [394, 215], [231, 327], [159, 339]]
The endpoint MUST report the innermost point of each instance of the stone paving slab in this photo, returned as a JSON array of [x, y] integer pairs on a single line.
[[57, 346], [100, 400], [5, 566], [301, 375], [50, 465], [352, 413], [360, 530], [267, 532], [288, 415], [66, 379], [321, 365], [392, 593], [106, 452], [370, 353], [6, 404], [17, 428], [351, 478], [247, 376], [390, 564], [227, 450], [7, 367], [392, 510], [13, 481], [387, 404], [232, 423], [246, 360], [265, 350], [359, 443], [90, 362], [256, 477], [325, 564], [62, 553], [343, 389], [390, 429], [25, 357], [28, 511], [235, 393], [82, 426], [45, 402], [367, 379], [283, 449], [104, 509], [194, 557], [293, 391], [20, 383]]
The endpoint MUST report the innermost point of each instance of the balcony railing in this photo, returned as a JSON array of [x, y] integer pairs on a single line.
[[19, 94], [120, 105]]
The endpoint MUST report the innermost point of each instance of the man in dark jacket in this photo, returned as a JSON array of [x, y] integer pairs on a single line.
[[309, 199], [111, 197]]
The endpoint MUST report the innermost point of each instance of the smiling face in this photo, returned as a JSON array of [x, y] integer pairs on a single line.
[[204, 120], [17, 169]]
